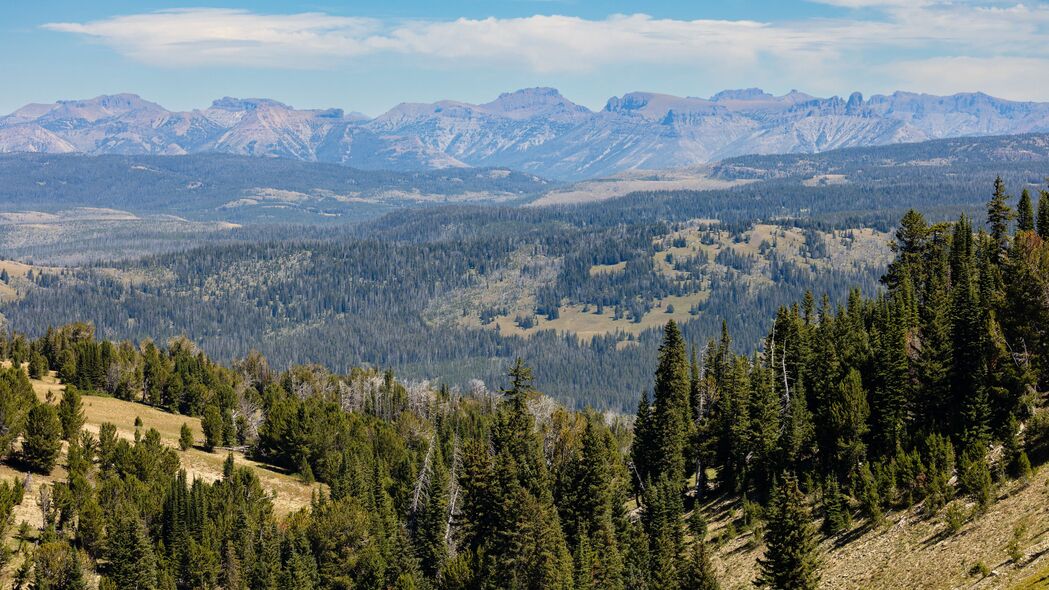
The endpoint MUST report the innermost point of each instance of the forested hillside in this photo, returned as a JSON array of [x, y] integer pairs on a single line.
[[561, 287], [387, 302], [241, 189], [922, 402]]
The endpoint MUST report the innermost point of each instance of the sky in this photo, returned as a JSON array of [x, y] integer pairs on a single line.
[[368, 56]]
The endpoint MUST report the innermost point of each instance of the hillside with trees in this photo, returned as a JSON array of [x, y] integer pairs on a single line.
[[918, 410]]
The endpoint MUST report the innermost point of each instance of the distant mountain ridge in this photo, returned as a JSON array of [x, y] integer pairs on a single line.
[[535, 130]]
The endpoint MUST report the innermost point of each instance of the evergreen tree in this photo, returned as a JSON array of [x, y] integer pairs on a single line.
[[662, 519], [999, 214], [71, 413], [1025, 212], [588, 499], [642, 447], [132, 563], [1042, 224], [791, 560], [974, 477], [637, 565], [16, 399], [969, 396], [185, 437], [58, 567], [211, 423], [432, 519], [849, 413], [870, 497], [891, 395], [584, 563], [837, 516], [699, 572], [671, 415], [608, 562], [37, 365], [765, 425], [43, 439]]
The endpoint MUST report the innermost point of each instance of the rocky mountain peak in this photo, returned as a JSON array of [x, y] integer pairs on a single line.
[[228, 103], [742, 94]]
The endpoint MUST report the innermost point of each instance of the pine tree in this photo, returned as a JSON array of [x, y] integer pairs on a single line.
[[37, 365], [71, 413], [432, 519], [699, 572], [671, 414], [891, 393], [637, 563], [642, 446], [969, 396], [765, 414], [837, 517], [212, 425], [866, 489], [849, 412], [999, 214], [791, 560], [1042, 225], [58, 567], [589, 496], [43, 439], [608, 563], [584, 563], [974, 477], [132, 563], [185, 437], [909, 247], [1025, 212], [16, 399]]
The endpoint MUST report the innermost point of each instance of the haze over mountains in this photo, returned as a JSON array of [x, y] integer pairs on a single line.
[[535, 130]]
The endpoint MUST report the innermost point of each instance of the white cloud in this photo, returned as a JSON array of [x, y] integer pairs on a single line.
[[873, 3], [205, 36], [925, 33], [1015, 77]]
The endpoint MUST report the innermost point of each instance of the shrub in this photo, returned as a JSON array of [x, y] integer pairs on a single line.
[[974, 477], [185, 437], [955, 517], [980, 569], [1015, 548]]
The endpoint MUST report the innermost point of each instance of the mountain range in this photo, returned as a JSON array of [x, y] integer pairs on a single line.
[[534, 130]]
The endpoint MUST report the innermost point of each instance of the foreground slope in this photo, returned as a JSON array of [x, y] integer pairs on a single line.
[[912, 550]]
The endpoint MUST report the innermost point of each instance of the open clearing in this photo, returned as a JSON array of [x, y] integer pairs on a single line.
[[635, 181], [511, 291]]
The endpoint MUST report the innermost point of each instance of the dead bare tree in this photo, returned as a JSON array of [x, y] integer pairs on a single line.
[[424, 474]]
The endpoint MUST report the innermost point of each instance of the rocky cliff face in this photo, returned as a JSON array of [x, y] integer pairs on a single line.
[[536, 130]]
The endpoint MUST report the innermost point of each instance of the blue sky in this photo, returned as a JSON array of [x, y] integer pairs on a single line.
[[367, 55]]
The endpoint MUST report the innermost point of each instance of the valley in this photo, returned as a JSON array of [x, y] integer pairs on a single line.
[[298, 296], [560, 284]]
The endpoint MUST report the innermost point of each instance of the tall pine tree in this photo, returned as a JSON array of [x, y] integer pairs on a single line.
[[791, 560], [1025, 212], [672, 413]]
